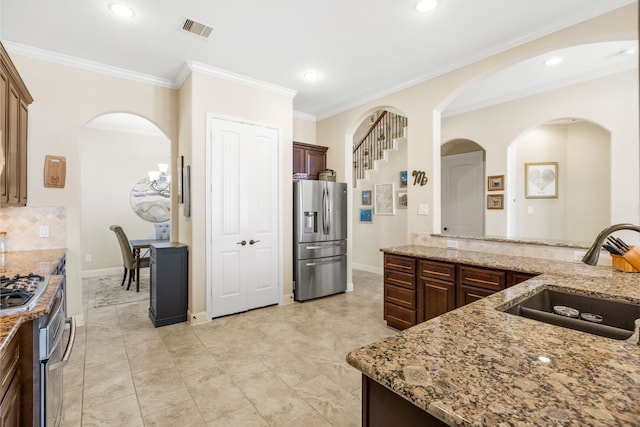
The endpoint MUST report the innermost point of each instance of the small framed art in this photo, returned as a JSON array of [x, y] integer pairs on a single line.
[[495, 201], [366, 215], [403, 179], [495, 183], [366, 198], [541, 180]]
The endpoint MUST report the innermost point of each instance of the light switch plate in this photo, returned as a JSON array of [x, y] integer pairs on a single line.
[[44, 231], [423, 209]]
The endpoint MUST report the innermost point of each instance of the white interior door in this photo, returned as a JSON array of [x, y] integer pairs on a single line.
[[463, 194], [244, 217]]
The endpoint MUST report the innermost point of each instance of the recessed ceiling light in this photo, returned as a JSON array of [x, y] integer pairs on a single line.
[[311, 76], [553, 61], [425, 6], [121, 10]]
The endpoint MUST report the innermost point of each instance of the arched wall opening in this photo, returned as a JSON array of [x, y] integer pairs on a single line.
[[370, 229], [567, 193], [116, 150]]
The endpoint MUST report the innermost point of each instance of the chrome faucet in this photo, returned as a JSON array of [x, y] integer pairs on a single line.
[[591, 257]]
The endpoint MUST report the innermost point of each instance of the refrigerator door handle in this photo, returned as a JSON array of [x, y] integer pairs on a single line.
[[327, 211], [313, 264]]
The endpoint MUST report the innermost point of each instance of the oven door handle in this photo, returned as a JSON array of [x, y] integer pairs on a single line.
[[67, 351]]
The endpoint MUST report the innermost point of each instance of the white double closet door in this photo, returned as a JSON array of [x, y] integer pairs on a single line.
[[244, 265]]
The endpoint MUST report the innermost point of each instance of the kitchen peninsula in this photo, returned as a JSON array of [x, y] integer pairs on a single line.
[[477, 365]]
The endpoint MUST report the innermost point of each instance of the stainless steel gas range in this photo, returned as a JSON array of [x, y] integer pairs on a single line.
[[21, 293]]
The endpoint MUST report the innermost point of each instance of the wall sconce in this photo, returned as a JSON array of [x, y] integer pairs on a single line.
[[159, 180]]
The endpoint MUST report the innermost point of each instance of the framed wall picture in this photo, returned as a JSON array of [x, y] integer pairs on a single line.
[[180, 167], [541, 180], [366, 215], [366, 198], [186, 190], [495, 183], [384, 199], [402, 200], [403, 179], [495, 201]]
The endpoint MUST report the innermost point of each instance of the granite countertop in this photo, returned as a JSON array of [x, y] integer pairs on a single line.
[[479, 366], [24, 262]]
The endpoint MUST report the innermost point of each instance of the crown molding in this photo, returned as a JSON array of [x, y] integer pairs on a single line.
[[304, 116], [237, 78], [58, 58]]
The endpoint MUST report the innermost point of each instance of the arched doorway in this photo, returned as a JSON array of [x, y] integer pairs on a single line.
[[116, 151], [579, 203]]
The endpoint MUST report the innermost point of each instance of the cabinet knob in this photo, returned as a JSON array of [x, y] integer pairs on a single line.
[[253, 242], [244, 242]]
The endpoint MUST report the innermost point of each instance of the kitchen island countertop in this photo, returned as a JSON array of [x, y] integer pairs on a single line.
[[479, 366]]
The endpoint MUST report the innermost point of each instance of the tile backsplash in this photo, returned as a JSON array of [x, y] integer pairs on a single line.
[[23, 227]]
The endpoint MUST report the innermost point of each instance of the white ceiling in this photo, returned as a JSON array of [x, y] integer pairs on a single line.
[[361, 48]]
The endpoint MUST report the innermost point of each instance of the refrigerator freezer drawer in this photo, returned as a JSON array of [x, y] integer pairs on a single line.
[[320, 249], [320, 277]]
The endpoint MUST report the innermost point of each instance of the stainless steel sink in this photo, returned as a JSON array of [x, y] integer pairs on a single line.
[[599, 316]]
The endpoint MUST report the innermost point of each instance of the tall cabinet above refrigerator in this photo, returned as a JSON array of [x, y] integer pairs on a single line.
[[320, 238]]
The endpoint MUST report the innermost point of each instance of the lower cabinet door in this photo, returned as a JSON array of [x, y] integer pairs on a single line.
[[10, 405], [438, 298]]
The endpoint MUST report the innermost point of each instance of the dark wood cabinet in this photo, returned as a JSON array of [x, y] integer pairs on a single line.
[[14, 104], [168, 279], [416, 290], [400, 302], [381, 408], [437, 289], [310, 159]]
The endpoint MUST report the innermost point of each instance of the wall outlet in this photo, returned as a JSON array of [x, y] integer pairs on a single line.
[[452, 244], [578, 255], [87, 258], [44, 231]]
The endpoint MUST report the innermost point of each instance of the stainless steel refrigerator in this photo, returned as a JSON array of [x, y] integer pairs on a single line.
[[319, 238]]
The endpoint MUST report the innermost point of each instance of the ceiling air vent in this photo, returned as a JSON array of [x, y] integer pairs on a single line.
[[196, 28]]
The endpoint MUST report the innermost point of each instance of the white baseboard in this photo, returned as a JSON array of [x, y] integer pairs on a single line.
[[197, 318], [350, 287], [369, 268], [102, 272], [287, 299]]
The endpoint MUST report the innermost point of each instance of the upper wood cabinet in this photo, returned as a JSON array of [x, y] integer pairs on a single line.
[[14, 103], [310, 159]]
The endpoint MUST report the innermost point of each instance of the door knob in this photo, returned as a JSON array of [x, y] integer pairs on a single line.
[[244, 242], [252, 242]]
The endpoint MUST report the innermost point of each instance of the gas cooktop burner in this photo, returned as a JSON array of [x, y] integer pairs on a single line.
[[20, 293]]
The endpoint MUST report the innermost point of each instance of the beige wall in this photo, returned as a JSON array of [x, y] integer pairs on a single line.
[[232, 100], [422, 103], [65, 100], [304, 130]]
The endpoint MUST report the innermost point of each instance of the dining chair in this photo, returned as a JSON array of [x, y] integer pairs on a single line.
[[128, 260]]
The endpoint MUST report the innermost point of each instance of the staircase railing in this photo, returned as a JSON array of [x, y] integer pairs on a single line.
[[380, 136]]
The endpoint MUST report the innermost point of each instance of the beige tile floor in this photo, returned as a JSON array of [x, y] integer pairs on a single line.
[[276, 366]]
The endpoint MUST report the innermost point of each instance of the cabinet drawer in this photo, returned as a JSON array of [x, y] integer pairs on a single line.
[[399, 317], [400, 296], [437, 270], [482, 278], [399, 263], [399, 279], [469, 294], [9, 365]]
